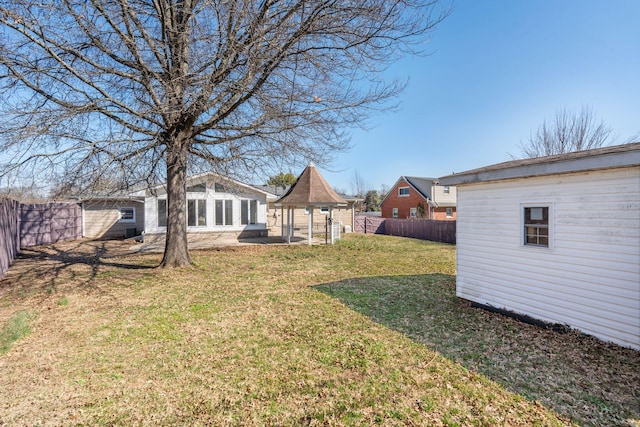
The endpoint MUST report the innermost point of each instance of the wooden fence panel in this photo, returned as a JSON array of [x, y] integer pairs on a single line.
[[437, 231], [43, 224], [9, 233]]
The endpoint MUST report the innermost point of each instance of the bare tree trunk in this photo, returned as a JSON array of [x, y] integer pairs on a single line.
[[176, 251]]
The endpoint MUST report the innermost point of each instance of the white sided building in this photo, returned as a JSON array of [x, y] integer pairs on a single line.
[[555, 238]]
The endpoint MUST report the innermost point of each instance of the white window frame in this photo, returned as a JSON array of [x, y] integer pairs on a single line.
[[413, 212], [131, 220], [197, 204], [446, 189], [550, 221], [252, 211], [400, 189], [394, 212], [448, 212], [224, 220]]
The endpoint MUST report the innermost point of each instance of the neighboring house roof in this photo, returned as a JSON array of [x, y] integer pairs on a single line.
[[580, 161], [350, 198], [274, 192], [420, 184], [311, 189]]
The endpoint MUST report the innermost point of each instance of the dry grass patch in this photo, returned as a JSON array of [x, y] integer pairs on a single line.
[[242, 338]]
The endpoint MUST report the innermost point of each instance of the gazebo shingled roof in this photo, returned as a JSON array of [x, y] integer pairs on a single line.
[[311, 189]]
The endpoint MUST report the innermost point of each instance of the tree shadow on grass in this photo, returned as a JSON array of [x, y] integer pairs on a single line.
[[578, 376], [75, 264]]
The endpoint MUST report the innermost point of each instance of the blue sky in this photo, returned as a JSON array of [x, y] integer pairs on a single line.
[[497, 69]]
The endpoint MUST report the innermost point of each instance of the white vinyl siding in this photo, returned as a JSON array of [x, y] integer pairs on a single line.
[[589, 278], [103, 219]]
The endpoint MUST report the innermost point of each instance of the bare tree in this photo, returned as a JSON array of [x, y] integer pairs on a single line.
[[570, 131], [154, 88], [358, 185]]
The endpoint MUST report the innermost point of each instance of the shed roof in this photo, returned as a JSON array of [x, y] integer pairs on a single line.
[[616, 156], [311, 189]]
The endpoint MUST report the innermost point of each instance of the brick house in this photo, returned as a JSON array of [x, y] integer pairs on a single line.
[[414, 197]]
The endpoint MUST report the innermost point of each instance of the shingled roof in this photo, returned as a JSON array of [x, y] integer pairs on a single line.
[[311, 189]]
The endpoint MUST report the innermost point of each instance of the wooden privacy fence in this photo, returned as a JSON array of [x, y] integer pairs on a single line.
[[47, 223], [437, 231], [369, 225], [9, 233], [35, 224]]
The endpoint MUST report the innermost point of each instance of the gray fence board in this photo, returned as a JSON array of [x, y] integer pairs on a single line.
[[9, 233], [437, 231], [39, 224], [47, 223]]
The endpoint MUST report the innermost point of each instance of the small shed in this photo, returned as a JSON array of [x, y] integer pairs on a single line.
[[311, 191], [555, 238]]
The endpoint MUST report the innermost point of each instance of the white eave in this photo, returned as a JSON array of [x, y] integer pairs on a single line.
[[618, 156]]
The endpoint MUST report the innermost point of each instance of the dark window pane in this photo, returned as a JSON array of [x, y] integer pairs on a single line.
[[254, 212], [198, 188], [218, 212], [162, 213], [228, 212], [244, 212], [202, 213], [191, 213]]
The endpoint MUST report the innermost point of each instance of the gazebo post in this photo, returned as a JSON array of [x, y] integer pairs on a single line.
[[282, 223], [310, 234], [289, 225], [331, 222]]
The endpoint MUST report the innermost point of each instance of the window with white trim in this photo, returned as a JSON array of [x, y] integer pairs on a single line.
[[413, 212], [197, 188], [395, 212], [403, 191], [248, 212], [449, 212], [224, 212], [536, 226], [197, 213], [127, 214], [446, 189]]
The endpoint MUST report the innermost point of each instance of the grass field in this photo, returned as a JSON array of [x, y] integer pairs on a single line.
[[367, 332]]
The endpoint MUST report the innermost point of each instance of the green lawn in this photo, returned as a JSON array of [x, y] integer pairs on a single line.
[[367, 332]]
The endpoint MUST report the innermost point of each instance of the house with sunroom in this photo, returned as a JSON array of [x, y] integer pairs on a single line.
[[416, 197], [216, 205], [556, 239]]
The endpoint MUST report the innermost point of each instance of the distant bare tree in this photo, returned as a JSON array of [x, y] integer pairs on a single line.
[[570, 131], [152, 88], [358, 185]]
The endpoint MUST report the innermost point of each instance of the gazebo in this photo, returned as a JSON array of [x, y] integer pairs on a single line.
[[311, 191]]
